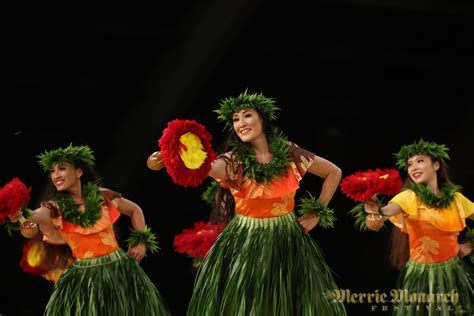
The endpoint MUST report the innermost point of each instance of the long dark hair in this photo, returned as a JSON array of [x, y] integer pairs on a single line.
[[224, 206], [399, 250]]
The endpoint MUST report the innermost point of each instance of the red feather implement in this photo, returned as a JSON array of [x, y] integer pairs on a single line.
[[13, 196], [196, 241], [33, 255], [366, 185], [363, 185], [186, 165]]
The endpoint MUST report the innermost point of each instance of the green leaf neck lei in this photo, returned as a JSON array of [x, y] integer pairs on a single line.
[[92, 202], [261, 173], [427, 197]]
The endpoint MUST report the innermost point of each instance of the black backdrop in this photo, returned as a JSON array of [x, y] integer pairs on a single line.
[[111, 77]]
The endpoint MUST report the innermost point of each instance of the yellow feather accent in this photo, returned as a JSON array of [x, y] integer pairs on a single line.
[[195, 156], [35, 254]]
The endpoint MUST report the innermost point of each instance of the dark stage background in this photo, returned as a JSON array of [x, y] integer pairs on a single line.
[[355, 80]]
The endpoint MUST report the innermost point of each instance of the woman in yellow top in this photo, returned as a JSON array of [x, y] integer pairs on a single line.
[[264, 262], [103, 279], [431, 212]]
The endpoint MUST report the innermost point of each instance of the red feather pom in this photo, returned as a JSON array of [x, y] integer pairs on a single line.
[[34, 244], [196, 242], [13, 196], [171, 147], [362, 185], [390, 182]]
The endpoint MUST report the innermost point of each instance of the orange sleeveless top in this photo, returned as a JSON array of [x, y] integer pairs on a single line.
[[272, 199], [90, 242], [432, 233]]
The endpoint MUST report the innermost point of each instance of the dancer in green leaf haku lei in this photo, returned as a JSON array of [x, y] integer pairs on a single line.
[[103, 279], [428, 216], [264, 262]]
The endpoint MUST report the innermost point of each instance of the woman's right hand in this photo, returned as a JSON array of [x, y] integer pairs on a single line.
[[16, 217], [371, 207], [374, 220]]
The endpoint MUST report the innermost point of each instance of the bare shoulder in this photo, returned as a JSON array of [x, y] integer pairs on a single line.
[[110, 194]]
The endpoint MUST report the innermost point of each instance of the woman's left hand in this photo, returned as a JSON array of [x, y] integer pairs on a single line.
[[137, 252], [16, 217], [465, 249], [308, 222]]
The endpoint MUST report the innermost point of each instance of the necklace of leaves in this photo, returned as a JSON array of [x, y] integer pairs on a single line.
[[427, 197], [92, 203], [263, 172]]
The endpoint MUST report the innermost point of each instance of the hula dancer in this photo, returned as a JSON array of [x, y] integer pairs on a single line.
[[428, 216], [103, 279], [264, 262]]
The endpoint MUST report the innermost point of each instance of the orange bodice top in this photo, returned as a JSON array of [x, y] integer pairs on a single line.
[[94, 241], [271, 199], [432, 232]]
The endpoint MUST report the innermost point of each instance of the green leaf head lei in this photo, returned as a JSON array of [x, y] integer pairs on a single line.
[[72, 154], [230, 105], [421, 147]]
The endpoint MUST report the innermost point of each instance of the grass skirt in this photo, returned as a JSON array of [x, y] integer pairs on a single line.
[[113, 284], [453, 277], [264, 266]]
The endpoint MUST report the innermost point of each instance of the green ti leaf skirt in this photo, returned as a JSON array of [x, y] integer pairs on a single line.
[[264, 266], [443, 289], [113, 284]]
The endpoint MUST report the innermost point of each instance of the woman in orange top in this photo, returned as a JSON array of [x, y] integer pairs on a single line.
[[264, 262], [431, 212], [103, 279]]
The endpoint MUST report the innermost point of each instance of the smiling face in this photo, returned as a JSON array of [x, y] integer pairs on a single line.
[[422, 169], [248, 125], [65, 176]]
